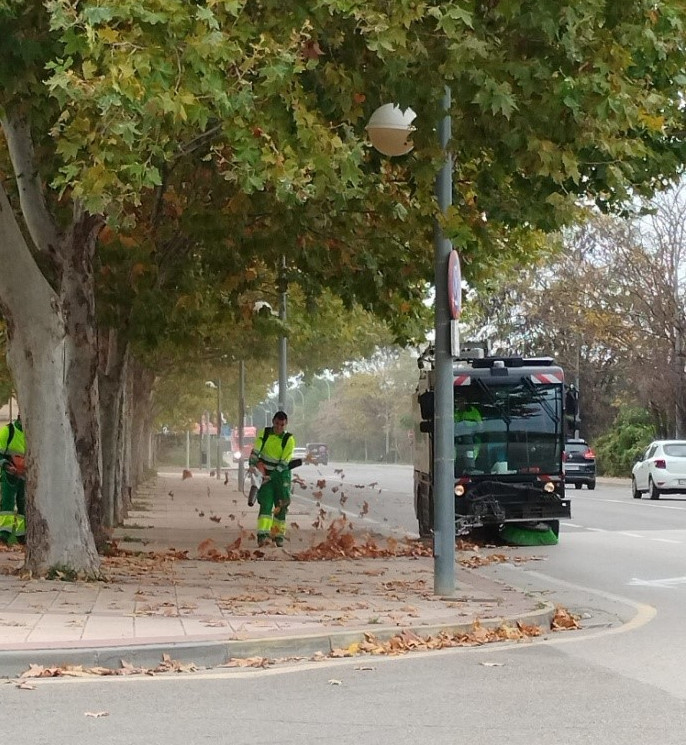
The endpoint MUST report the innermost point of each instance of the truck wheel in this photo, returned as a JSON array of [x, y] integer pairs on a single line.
[[554, 525], [591, 485], [578, 485]]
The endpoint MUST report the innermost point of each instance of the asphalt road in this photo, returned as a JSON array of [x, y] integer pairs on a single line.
[[619, 564], [629, 557]]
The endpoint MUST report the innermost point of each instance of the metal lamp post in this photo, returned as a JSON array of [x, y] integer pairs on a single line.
[[241, 422], [283, 342], [328, 387], [302, 403], [218, 386], [390, 130]]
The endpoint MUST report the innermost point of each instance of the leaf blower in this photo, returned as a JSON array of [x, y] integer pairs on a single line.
[[257, 476]]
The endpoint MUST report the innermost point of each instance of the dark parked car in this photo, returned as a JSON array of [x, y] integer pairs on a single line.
[[579, 464], [319, 452]]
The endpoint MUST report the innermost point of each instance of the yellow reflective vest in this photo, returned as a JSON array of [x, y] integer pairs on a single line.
[[12, 440], [275, 451]]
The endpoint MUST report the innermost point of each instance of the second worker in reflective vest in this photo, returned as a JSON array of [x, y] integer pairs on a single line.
[[271, 454], [12, 482]]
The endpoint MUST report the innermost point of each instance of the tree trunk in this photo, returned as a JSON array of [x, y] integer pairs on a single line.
[[41, 357], [124, 485], [78, 302], [679, 367], [112, 383], [141, 422], [680, 407]]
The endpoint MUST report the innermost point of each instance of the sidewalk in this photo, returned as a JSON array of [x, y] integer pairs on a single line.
[[189, 582]]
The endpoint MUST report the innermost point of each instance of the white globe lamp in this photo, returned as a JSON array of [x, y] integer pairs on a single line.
[[390, 129]]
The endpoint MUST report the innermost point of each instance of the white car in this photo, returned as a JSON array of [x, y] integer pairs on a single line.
[[660, 470]]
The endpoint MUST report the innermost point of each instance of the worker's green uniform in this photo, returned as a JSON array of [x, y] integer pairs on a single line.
[[467, 436], [12, 483], [275, 452]]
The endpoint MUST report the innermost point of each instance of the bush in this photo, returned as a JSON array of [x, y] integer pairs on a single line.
[[618, 450]]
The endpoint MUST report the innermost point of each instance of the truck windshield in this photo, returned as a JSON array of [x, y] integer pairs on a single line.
[[508, 428]]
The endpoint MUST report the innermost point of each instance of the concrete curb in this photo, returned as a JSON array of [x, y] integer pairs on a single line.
[[212, 654]]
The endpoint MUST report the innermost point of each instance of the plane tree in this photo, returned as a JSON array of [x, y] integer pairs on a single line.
[[100, 102]]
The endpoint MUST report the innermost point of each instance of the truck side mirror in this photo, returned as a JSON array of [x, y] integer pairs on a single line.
[[426, 427]]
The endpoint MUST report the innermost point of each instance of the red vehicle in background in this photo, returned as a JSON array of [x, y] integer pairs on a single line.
[[249, 435]]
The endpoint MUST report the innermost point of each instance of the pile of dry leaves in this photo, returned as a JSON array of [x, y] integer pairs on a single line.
[[168, 665], [401, 643], [409, 641]]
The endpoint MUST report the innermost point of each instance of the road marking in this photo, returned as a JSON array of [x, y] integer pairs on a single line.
[[666, 540], [644, 613], [670, 582], [645, 502], [624, 532]]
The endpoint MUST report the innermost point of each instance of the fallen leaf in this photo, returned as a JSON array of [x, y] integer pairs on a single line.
[[334, 682], [247, 662], [563, 620], [97, 714]]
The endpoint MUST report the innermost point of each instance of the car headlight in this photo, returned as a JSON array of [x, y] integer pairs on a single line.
[[459, 490], [549, 487]]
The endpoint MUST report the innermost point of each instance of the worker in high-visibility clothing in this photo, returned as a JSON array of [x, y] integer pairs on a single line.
[[271, 454], [468, 425], [12, 483]]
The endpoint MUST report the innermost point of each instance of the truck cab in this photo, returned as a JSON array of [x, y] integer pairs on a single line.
[[509, 441]]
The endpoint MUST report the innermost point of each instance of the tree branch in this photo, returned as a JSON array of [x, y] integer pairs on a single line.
[[39, 222]]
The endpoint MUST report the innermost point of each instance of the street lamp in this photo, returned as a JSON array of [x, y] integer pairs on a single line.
[[389, 130]]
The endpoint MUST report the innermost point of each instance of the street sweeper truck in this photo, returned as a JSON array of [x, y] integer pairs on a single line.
[[509, 430]]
